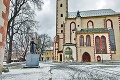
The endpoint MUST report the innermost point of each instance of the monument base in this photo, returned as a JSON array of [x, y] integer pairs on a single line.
[[31, 67], [32, 61]]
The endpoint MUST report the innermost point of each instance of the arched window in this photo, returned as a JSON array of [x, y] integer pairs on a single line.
[[61, 5], [72, 26], [103, 41], [97, 44], [88, 41], [68, 54], [61, 31], [81, 40], [109, 24], [61, 25], [61, 15], [90, 24]]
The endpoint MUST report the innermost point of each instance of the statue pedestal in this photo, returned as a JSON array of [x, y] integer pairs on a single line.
[[32, 60]]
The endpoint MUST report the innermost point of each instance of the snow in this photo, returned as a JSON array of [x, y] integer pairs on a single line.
[[63, 71]]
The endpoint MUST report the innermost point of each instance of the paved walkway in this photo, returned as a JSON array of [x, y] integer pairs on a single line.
[[64, 71]]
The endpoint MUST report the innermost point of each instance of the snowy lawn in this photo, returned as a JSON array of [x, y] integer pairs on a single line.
[[64, 71]]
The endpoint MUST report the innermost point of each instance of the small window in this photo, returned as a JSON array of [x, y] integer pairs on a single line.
[[103, 41], [61, 5], [81, 40], [61, 31], [61, 15], [88, 40], [78, 25], [97, 44], [109, 24], [90, 24], [61, 25], [48, 58]]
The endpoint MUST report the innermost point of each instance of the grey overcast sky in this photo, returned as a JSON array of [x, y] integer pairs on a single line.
[[47, 15]]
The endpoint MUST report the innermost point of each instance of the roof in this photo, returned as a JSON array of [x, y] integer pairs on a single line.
[[90, 13], [69, 44], [92, 30]]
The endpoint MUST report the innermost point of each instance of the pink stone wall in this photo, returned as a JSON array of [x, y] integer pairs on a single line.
[[3, 29]]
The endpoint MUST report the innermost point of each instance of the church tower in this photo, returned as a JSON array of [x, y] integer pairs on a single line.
[[61, 14]]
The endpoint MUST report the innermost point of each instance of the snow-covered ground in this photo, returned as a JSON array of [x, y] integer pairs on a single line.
[[64, 71]]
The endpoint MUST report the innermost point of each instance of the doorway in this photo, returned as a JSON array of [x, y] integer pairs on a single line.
[[86, 57], [61, 57]]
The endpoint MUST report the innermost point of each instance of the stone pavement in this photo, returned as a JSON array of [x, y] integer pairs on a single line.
[[65, 71]]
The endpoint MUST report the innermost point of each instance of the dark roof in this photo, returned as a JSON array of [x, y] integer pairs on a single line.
[[92, 30], [69, 44], [89, 13]]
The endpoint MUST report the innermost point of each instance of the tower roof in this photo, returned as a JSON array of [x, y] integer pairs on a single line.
[[90, 13]]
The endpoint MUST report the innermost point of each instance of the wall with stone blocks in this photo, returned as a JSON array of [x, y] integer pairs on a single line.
[[4, 11]]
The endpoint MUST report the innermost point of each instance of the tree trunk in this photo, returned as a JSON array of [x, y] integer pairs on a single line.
[[10, 51]]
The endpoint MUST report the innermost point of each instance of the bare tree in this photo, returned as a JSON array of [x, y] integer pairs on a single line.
[[44, 42], [21, 15]]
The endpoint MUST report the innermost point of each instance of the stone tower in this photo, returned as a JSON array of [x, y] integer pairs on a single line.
[[61, 14]]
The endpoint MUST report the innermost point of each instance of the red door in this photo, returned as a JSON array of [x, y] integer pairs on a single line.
[[86, 57]]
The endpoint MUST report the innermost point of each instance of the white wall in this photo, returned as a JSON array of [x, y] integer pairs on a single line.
[[103, 56]]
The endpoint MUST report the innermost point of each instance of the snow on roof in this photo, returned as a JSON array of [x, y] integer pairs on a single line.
[[89, 13]]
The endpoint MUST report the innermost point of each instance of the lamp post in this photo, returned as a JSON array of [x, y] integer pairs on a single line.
[[102, 55]]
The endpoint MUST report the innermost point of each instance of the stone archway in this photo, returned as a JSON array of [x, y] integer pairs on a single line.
[[86, 57]]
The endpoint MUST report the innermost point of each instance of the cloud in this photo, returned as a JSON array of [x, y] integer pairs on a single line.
[[47, 16]]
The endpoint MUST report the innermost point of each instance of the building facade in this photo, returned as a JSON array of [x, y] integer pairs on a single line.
[[47, 55], [4, 9], [86, 36]]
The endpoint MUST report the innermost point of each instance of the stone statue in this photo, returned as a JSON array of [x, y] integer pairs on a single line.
[[32, 46], [78, 14]]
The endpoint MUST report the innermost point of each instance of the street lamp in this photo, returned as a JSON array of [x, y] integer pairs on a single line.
[[102, 55]]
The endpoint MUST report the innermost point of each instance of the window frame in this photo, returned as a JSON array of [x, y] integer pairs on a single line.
[[105, 45], [88, 40], [89, 22], [81, 40], [97, 44]]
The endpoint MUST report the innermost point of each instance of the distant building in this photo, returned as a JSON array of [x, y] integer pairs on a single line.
[[15, 56], [47, 55], [86, 36], [4, 11]]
